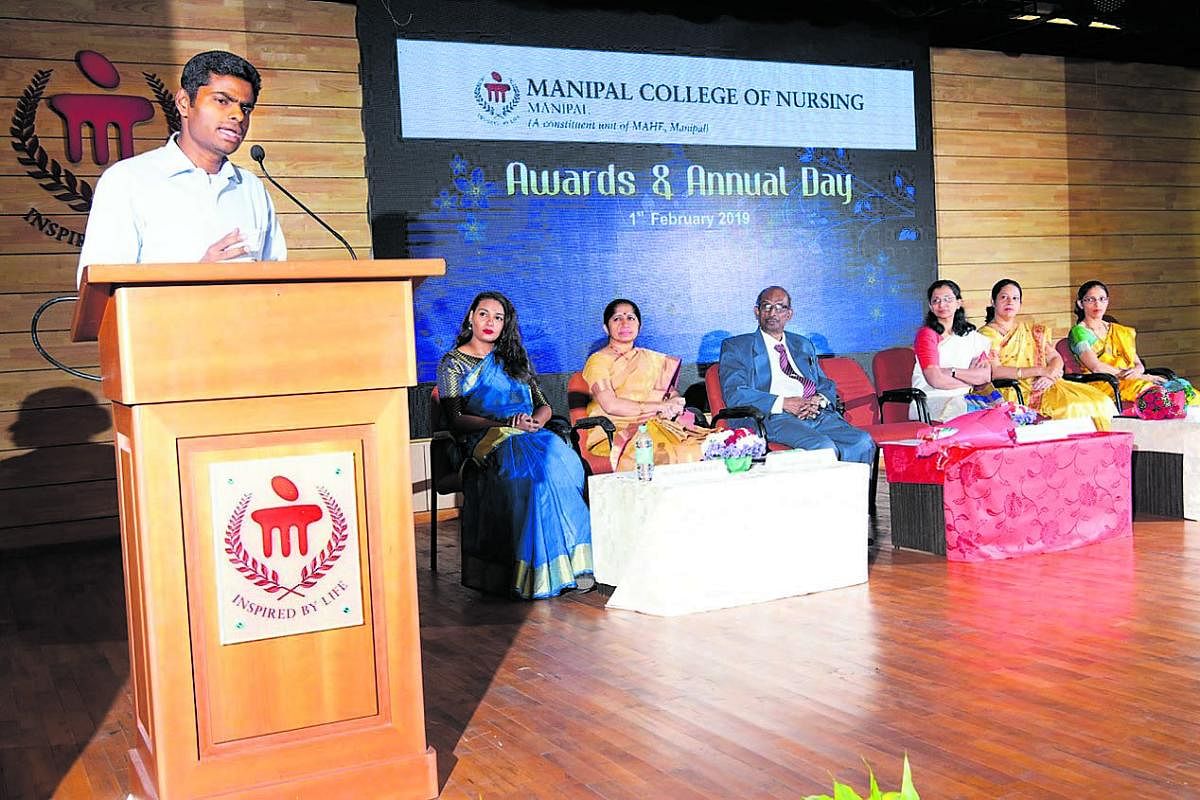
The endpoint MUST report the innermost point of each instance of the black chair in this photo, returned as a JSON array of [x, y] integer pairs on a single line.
[[579, 396], [451, 470], [1073, 371], [446, 465], [1010, 383]]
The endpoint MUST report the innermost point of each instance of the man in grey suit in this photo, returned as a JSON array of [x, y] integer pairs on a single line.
[[778, 373]]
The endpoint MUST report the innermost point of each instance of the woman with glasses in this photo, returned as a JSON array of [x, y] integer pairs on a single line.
[[952, 357], [529, 531], [632, 386], [1024, 352], [1103, 345]]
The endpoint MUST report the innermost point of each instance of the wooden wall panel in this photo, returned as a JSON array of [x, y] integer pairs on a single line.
[[18, 354], [148, 44], [56, 470], [1001, 196], [60, 502], [323, 195], [1055, 145], [16, 310], [312, 159], [50, 427], [314, 19], [300, 230], [1113, 273], [327, 90], [1059, 94], [954, 224], [78, 530], [1079, 169], [1054, 172], [990, 63], [1035, 119], [33, 389]]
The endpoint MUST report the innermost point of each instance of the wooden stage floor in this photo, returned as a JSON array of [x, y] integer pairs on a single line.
[[1067, 676]]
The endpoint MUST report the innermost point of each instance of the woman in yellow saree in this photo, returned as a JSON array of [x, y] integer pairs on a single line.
[[631, 385], [1102, 345], [1025, 352]]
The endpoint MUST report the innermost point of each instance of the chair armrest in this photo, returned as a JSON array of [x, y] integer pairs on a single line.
[[1097, 377], [1010, 383], [701, 419], [743, 412], [906, 396], [603, 423], [900, 395], [1162, 372], [446, 459], [560, 426]]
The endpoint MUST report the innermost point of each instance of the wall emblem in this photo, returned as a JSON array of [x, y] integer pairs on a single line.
[[95, 114], [285, 539], [498, 98]]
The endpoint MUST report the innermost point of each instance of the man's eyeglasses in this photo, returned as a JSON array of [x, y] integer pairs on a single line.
[[771, 308]]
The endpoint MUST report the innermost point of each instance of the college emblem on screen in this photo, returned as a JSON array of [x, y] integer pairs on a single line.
[[285, 540], [498, 98]]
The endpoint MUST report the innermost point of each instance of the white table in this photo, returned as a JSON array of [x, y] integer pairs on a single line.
[[697, 538], [1166, 472]]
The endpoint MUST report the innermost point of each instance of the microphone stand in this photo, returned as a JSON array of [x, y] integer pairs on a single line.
[[258, 154]]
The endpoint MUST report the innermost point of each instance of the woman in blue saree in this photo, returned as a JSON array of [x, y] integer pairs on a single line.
[[528, 531]]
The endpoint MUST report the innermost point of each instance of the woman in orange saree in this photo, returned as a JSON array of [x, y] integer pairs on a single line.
[[1025, 352], [632, 385]]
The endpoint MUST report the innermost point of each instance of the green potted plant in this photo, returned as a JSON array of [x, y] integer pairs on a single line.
[[842, 791]]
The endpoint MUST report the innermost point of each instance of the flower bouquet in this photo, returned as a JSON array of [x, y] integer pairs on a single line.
[[1161, 402], [738, 447], [1024, 415]]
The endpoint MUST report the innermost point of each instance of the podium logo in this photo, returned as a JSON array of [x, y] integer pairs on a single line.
[[286, 541], [498, 98], [278, 524], [87, 118]]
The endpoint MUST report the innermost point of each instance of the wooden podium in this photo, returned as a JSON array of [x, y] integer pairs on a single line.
[[262, 448]]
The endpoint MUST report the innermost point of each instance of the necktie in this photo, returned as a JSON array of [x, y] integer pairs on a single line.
[[808, 387]]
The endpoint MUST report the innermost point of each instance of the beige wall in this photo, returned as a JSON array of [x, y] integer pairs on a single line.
[[1054, 172], [56, 472]]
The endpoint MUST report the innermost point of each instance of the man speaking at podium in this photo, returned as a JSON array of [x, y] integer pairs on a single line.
[[185, 201]]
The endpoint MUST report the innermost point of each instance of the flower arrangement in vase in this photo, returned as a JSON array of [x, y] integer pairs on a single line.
[[738, 447]]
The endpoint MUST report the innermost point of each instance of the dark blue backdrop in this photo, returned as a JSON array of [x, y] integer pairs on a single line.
[[857, 271]]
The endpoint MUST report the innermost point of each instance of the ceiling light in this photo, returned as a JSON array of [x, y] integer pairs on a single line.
[[1060, 21], [1027, 17], [1104, 25]]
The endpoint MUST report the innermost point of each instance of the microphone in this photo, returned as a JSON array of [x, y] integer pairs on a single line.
[[258, 154]]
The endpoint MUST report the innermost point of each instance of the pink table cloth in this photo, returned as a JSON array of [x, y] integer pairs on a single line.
[[1043, 497]]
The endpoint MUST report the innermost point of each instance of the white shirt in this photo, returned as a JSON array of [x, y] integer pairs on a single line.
[[781, 384], [159, 207]]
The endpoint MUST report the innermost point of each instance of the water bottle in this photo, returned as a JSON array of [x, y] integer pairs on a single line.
[[643, 454]]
